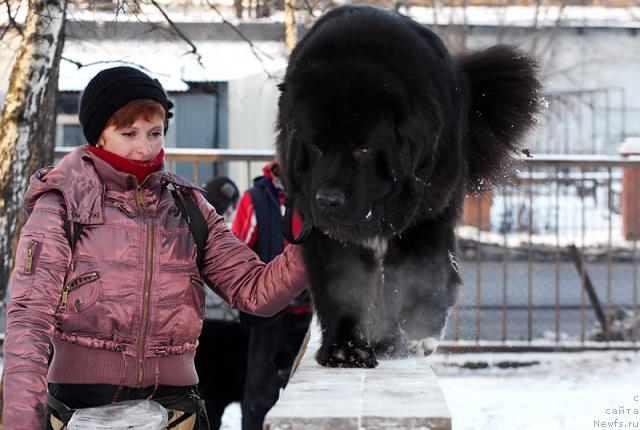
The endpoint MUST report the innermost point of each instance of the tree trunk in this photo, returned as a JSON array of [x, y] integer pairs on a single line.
[[290, 28], [28, 123]]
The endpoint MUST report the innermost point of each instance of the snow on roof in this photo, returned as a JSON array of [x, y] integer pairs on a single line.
[[515, 16], [518, 16], [170, 62], [524, 16], [178, 12], [146, 12]]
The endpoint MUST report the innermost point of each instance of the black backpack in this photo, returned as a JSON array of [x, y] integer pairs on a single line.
[[187, 207]]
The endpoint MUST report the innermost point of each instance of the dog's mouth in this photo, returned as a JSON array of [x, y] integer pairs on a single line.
[[350, 229], [343, 217]]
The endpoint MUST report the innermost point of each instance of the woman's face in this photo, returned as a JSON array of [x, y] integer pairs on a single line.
[[141, 141]]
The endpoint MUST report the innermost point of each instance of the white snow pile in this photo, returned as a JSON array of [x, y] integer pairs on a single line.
[[569, 391]]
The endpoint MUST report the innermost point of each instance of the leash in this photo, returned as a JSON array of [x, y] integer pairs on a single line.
[[287, 225]]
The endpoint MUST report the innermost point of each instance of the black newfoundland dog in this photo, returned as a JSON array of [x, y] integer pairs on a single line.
[[382, 132]]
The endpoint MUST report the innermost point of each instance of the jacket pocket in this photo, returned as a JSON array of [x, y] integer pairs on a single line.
[[27, 255], [181, 321], [80, 294], [80, 309], [197, 296]]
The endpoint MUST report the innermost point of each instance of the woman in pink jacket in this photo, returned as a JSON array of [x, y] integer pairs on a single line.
[[123, 304]]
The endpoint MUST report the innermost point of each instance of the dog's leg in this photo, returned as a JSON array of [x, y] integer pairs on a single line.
[[343, 283], [421, 280]]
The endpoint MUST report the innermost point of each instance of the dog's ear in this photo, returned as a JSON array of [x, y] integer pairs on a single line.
[[505, 96]]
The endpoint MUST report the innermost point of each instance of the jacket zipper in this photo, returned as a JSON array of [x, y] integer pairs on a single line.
[[147, 286], [200, 284], [123, 208], [78, 282], [31, 251], [197, 281]]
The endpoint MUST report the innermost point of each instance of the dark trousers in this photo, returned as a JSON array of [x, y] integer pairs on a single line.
[[273, 346]]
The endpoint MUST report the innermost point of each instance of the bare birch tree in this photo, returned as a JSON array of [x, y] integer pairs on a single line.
[[27, 125], [290, 26]]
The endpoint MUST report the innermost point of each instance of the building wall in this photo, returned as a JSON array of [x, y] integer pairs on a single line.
[[198, 124], [252, 116], [593, 74]]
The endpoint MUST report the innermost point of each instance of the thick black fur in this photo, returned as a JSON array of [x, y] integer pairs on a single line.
[[381, 134]]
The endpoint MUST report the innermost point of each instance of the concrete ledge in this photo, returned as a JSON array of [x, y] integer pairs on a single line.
[[398, 394]]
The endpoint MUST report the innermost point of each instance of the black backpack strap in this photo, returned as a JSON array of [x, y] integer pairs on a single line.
[[72, 235], [287, 225], [196, 221], [61, 411]]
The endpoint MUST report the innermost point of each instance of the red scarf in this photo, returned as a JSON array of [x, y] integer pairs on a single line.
[[140, 169]]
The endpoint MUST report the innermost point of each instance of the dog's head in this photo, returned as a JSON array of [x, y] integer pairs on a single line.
[[372, 124]]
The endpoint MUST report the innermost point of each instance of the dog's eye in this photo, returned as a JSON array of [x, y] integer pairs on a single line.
[[361, 151], [316, 149]]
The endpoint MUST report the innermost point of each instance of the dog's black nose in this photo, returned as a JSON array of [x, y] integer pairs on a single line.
[[330, 199]]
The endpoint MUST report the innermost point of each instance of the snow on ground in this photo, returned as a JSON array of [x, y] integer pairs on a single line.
[[232, 418], [567, 391]]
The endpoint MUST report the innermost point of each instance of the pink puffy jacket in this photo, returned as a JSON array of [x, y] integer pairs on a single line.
[[126, 306]]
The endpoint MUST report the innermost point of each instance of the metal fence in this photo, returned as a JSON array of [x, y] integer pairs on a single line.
[[548, 259]]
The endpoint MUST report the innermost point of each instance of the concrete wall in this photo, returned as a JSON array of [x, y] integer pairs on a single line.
[[252, 115]]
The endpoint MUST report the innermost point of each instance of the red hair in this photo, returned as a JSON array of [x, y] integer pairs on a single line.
[[137, 109]]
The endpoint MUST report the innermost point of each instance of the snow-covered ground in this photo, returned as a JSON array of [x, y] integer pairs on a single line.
[[232, 417], [567, 391]]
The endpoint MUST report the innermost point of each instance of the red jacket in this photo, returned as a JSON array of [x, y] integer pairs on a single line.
[[126, 307], [245, 225]]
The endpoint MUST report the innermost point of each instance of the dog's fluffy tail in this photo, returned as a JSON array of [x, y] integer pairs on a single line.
[[505, 97]]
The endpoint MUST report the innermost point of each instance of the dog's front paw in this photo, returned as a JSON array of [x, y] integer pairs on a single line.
[[391, 346], [347, 354], [423, 347]]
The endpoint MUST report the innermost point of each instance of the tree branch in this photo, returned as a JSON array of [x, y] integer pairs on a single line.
[[555, 32], [12, 19], [176, 30], [80, 65], [309, 8], [120, 7], [258, 53]]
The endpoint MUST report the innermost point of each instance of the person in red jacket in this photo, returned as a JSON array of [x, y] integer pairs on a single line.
[[273, 342], [123, 304]]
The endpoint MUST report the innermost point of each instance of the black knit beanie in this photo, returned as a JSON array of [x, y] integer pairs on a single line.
[[222, 193], [111, 89]]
